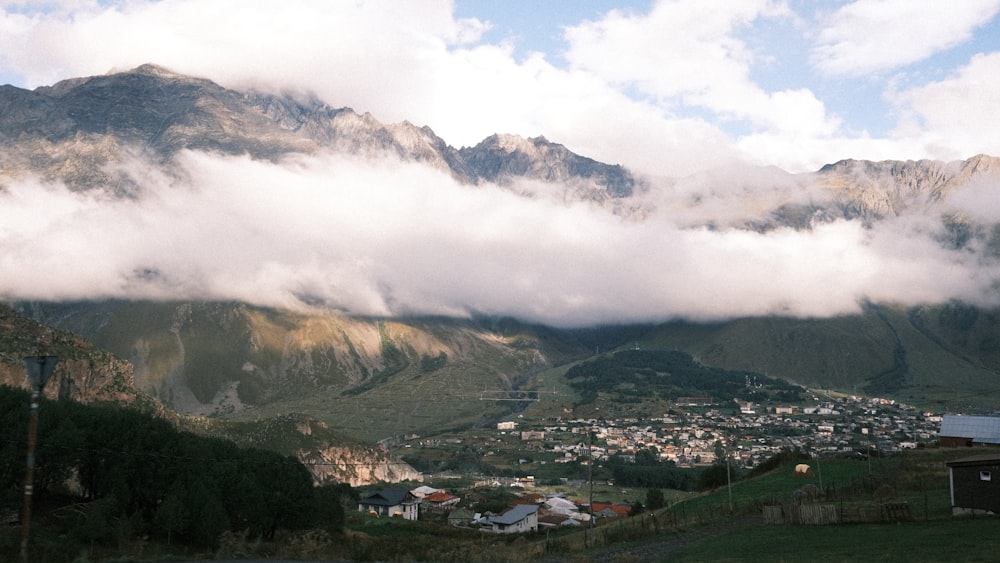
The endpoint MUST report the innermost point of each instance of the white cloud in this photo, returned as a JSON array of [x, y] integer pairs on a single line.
[[869, 36], [680, 48], [671, 91], [385, 237], [955, 117], [688, 54], [398, 61], [653, 91]]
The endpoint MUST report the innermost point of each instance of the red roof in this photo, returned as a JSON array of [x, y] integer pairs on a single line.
[[439, 496], [619, 509]]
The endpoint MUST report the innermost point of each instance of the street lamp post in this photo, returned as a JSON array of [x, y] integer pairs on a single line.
[[39, 369]]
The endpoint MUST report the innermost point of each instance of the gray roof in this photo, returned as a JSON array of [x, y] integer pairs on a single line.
[[984, 428], [386, 497], [975, 461], [515, 515]]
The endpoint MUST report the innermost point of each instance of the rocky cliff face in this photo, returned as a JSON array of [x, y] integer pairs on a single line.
[[83, 374], [330, 456]]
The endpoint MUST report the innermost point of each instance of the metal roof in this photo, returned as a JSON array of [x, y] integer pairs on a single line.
[[515, 515], [983, 428], [386, 497], [975, 460]]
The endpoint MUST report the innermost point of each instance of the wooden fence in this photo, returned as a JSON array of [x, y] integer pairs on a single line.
[[831, 513]]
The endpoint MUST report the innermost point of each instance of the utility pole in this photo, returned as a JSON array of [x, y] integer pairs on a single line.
[[729, 482], [590, 476], [39, 370]]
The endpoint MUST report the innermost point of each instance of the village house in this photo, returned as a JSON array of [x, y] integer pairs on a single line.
[[533, 435], [521, 518], [440, 499], [390, 502], [610, 510], [423, 490]]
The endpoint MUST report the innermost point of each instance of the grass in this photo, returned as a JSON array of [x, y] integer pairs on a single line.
[[918, 478], [938, 540]]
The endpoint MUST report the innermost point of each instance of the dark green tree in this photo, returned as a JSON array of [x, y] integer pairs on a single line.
[[713, 477], [171, 516], [655, 499], [330, 506]]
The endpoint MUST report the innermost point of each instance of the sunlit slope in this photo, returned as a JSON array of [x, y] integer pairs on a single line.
[[372, 378]]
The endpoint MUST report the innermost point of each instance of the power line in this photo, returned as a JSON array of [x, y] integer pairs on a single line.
[[157, 455]]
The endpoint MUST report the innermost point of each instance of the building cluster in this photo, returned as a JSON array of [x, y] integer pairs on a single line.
[[747, 433], [529, 513]]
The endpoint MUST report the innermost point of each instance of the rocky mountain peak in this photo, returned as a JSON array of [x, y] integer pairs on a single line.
[[71, 130], [502, 157], [876, 189]]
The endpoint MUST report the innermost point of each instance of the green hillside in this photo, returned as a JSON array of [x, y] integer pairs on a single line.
[[942, 356], [374, 379]]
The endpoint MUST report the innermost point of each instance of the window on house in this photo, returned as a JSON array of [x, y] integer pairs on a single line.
[[984, 476]]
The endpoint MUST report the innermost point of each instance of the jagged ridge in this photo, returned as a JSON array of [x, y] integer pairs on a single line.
[[71, 129]]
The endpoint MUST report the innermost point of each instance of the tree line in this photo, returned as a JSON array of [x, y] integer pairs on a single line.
[[121, 473]]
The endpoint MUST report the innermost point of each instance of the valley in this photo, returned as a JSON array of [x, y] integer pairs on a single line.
[[244, 270], [455, 280]]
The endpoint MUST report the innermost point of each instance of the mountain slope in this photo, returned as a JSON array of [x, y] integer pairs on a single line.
[[371, 378], [876, 190], [948, 355], [73, 130], [90, 375], [84, 373]]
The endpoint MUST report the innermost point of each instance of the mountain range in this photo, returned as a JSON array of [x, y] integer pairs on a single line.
[[376, 377], [73, 129]]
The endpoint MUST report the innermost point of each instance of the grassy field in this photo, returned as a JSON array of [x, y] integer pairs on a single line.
[[931, 541], [704, 528]]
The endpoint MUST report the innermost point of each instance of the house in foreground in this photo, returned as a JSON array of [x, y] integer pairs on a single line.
[[390, 502], [975, 484], [521, 518]]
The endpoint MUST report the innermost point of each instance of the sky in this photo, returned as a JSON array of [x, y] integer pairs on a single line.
[[667, 87], [718, 101]]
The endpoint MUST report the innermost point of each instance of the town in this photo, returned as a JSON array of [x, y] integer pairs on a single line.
[[700, 432], [531, 454]]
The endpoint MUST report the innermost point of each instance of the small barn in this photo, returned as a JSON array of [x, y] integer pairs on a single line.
[[975, 484], [963, 431]]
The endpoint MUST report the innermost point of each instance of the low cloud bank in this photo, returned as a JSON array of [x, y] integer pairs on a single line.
[[392, 238]]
